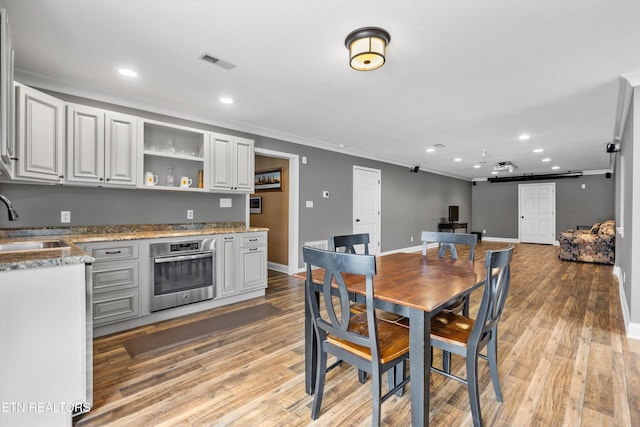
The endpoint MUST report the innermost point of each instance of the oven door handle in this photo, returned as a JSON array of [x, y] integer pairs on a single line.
[[182, 258]]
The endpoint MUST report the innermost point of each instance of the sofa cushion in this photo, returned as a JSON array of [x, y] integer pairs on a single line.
[[608, 228]]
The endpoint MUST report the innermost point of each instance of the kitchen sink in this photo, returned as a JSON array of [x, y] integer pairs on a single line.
[[32, 245]]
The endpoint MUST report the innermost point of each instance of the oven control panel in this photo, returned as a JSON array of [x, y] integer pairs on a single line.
[[186, 246]]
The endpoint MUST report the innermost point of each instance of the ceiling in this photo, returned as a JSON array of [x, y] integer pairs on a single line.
[[468, 75]]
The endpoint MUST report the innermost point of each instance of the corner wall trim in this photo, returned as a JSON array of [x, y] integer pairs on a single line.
[[632, 329]]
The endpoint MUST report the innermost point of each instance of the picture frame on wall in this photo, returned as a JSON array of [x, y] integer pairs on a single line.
[[268, 180]]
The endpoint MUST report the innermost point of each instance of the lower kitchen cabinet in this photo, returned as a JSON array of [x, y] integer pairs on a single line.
[[243, 263], [115, 281], [252, 262]]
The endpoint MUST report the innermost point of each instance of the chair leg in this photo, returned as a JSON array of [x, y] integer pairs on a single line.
[[446, 361], [492, 355], [465, 306], [472, 385], [362, 376], [397, 374], [377, 398], [320, 378]]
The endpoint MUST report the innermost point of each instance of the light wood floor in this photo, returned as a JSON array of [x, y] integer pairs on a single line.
[[563, 361]]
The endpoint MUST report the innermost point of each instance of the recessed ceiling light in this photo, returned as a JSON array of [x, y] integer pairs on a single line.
[[127, 72], [457, 159], [538, 150], [226, 100], [555, 167], [430, 150], [524, 137], [494, 172], [476, 166], [546, 160]]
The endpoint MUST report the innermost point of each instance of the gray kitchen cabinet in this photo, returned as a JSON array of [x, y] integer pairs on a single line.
[[115, 275], [7, 140], [231, 163], [242, 265], [227, 265], [102, 147], [40, 136], [252, 261]]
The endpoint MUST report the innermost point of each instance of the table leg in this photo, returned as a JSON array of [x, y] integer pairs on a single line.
[[420, 365], [310, 346]]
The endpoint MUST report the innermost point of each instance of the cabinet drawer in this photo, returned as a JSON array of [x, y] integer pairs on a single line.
[[114, 276], [115, 306], [114, 252], [253, 240]]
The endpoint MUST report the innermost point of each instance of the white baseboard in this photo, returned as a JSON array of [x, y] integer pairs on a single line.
[[500, 239], [278, 267], [632, 329]]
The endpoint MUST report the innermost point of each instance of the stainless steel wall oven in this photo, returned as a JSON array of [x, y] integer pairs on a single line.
[[182, 272]]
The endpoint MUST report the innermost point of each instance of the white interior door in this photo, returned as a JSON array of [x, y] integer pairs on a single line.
[[537, 211], [366, 205]]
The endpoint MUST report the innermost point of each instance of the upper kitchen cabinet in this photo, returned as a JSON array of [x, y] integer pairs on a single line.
[[172, 152], [231, 163], [7, 136], [40, 136], [102, 147]]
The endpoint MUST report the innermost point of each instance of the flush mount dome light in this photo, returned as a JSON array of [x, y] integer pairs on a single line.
[[367, 48]]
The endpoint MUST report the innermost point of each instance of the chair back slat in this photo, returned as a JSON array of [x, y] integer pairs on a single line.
[[496, 288], [349, 241], [335, 295], [470, 240]]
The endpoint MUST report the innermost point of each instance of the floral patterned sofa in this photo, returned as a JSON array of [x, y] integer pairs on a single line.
[[595, 245]]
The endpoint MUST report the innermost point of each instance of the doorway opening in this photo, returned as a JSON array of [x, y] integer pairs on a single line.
[[279, 210]]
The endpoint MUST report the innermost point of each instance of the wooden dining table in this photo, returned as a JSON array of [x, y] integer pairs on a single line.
[[408, 285]]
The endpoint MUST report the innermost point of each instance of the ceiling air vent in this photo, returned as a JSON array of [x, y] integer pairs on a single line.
[[217, 61]]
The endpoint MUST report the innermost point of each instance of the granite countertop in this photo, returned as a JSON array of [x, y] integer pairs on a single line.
[[72, 254]]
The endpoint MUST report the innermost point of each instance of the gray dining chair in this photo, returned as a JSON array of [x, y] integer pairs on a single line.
[[362, 340], [348, 242], [458, 334], [449, 240]]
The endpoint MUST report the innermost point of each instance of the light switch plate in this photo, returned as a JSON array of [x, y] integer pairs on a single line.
[[225, 203], [325, 194], [65, 217], [309, 203]]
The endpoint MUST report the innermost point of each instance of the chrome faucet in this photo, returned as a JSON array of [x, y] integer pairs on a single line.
[[13, 215]]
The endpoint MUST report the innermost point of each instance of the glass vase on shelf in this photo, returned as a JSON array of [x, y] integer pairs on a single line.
[[170, 180]]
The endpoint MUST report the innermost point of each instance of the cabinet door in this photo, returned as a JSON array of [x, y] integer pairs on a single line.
[[7, 143], [221, 163], [121, 136], [244, 164], [228, 266], [40, 134], [252, 268], [85, 142]]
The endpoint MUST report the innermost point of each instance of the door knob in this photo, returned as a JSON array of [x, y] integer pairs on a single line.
[[357, 219]]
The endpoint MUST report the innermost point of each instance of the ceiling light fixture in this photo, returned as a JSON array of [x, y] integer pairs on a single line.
[[226, 100], [127, 72], [538, 150], [524, 137], [430, 150], [457, 159], [367, 48], [546, 160]]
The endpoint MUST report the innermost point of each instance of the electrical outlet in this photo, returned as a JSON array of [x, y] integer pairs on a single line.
[[325, 194], [189, 213], [412, 238], [484, 231], [65, 217]]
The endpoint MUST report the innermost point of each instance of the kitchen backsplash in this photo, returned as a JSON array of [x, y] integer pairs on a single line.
[[40, 206]]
